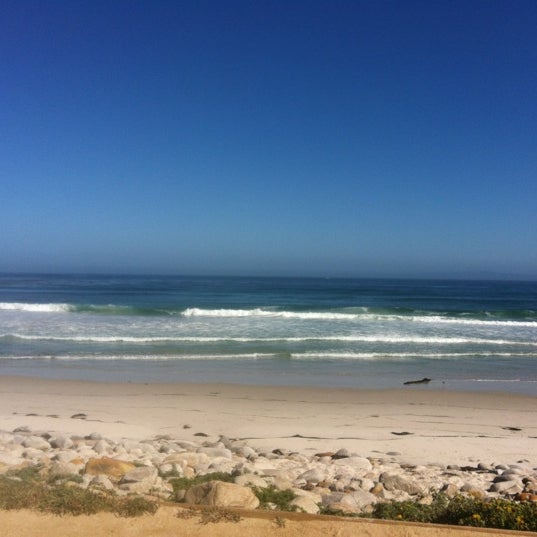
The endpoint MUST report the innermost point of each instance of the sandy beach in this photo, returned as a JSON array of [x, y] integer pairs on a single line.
[[410, 426], [422, 426]]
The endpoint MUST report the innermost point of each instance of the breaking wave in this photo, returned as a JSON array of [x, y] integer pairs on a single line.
[[292, 339], [507, 318]]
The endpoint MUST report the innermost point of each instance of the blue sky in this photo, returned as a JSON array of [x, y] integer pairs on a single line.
[[356, 138]]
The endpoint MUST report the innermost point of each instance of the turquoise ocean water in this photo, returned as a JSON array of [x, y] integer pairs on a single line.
[[363, 333]]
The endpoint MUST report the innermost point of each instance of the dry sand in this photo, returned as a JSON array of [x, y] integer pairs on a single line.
[[257, 524], [444, 427]]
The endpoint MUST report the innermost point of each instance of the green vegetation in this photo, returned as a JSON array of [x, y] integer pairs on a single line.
[[26, 489], [464, 511], [211, 515], [184, 483], [272, 496], [218, 514]]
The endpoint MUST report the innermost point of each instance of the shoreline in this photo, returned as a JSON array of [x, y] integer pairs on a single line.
[[420, 425]]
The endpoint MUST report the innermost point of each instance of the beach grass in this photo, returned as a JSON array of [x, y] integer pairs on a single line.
[[25, 489]]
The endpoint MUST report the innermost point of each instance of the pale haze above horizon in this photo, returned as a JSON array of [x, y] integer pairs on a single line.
[[271, 138]]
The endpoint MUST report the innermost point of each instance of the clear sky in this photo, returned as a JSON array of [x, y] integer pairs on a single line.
[[330, 138]]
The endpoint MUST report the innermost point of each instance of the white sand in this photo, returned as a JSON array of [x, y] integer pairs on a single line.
[[446, 427]]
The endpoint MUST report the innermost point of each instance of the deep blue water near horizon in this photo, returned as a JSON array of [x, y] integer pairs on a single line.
[[360, 333]]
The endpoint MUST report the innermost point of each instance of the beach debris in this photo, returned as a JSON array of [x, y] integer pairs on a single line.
[[512, 428], [424, 380], [79, 416], [402, 433]]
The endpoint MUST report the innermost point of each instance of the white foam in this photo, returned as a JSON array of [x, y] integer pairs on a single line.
[[476, 322], [337, 316], [381, 355], [214, 339], [146, 357], [259, 312], [41, 308]]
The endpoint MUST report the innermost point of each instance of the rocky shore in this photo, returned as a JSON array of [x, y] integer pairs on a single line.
[[340, 481]]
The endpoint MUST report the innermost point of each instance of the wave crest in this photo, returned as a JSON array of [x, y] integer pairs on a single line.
[[40, 308]]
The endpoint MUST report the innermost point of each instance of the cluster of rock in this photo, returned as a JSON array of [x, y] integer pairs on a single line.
[[339, 482]]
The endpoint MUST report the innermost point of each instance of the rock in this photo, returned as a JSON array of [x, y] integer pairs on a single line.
[[101, 447], [262, 464], [220, 494], [282, 483], [33, 454], [313, 476], [244, 451], [10, 459], [506, 477], [189, 473], [61, 442], [306, 504], [225, 466], [364, 484], [250, 480], [141, 473], [170, 469], [215, 452], [473, 491], [377, 490], [341, 508], [400, 482], [356, 501], [358, 464], [101, 481], [110, 467], [341, 454], [333, 497], [188, 458], [36, 442], [511, 487], [63, 469], [450, 490]]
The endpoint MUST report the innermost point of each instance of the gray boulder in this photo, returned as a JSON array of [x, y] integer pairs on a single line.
[[220, 494], [402, 483]]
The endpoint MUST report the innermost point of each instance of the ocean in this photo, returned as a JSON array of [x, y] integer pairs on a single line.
[[352, 333]]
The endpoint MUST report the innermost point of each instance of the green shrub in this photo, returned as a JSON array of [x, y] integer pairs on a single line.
[[280, 498], [412, 511], [464, 511], [498, 513]]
